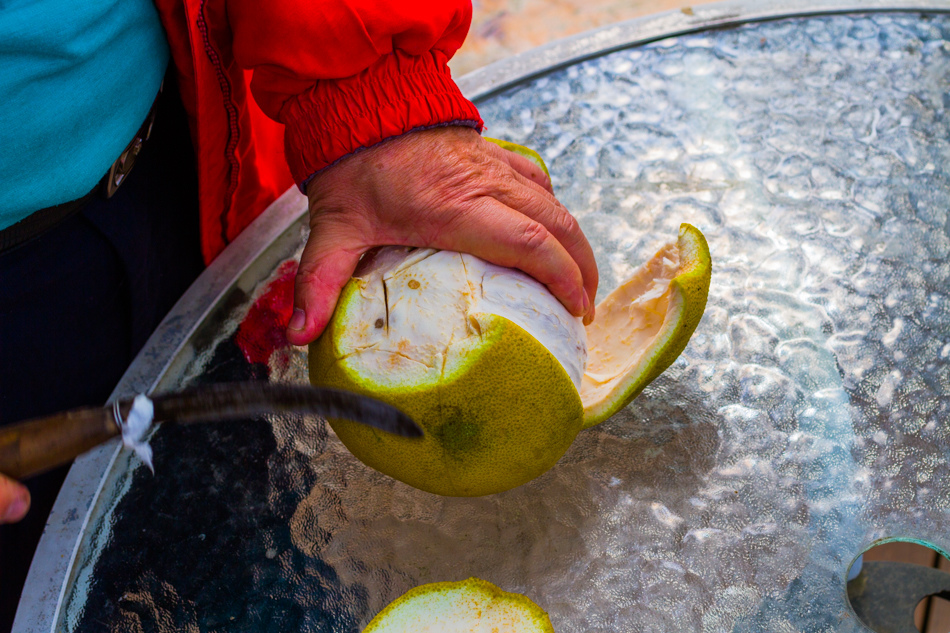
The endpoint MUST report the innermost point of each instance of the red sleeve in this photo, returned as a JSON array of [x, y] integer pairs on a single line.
[[346, 74]]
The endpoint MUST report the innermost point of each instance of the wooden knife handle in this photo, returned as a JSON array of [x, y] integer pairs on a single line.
[[35, 446]]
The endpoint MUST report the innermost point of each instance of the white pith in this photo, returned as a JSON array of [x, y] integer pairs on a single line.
[[628, 322], [422, 312], [461, 610]]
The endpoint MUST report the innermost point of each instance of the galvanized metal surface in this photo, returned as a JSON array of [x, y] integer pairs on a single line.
[[77, 529], [485, 81], [170, 348]]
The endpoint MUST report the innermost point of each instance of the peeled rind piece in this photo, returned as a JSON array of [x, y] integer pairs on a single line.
[[467, 606], [644, 325]]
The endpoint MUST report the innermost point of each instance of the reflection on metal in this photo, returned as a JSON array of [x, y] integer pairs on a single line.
[[486, 81], [157, 367], [885, 594], [799, 426]]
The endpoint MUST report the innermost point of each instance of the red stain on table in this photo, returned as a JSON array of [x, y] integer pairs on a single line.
[[263, 329]]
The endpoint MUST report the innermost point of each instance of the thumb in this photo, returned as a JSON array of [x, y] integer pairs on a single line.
[[14, 500], [325, 266]]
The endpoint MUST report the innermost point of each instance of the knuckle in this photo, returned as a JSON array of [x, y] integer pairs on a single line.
[[534, 236], [484, 172], [469, 158], [566, 224], [308, 277], [463, 176]]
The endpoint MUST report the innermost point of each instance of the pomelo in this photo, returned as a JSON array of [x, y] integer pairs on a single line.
[[468, 606], [497, 372]]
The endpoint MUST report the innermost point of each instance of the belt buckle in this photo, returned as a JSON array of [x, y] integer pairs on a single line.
[[126, 160]]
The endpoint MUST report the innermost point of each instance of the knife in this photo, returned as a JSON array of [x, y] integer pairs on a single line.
[[35, 446]]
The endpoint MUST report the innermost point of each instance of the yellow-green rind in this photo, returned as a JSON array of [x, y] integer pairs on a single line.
[[536, 617], [527, 152], [498, 425], [688, 293]]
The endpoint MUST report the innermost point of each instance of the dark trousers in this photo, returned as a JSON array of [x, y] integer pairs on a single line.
[[79, 302]]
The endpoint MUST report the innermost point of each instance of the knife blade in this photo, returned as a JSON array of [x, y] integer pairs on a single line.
[[35, 446]]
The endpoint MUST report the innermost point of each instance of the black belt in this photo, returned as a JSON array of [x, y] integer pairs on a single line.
[[41, 221]]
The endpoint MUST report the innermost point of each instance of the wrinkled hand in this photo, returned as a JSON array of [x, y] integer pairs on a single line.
[[443, 188], [14, 500]]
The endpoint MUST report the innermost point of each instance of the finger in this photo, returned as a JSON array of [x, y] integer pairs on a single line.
[[505, 237], [522, 165], [524, 197], [326, 264], [14, 500]]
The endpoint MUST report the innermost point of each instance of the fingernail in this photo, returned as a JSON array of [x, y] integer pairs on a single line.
[[586, 303], [589, 317], [17, 508], [298, 319]]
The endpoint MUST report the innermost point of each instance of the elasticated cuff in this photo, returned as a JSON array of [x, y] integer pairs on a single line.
[[397, 94]]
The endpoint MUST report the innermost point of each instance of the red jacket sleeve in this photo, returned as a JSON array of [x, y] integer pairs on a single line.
[[346, 74]]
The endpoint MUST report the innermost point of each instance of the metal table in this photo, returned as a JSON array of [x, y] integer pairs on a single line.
[[806, 420]]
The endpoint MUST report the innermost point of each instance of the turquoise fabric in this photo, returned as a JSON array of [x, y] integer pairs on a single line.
[[77, 80]]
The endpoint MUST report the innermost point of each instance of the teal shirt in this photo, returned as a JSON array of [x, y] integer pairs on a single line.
[[77, 80]]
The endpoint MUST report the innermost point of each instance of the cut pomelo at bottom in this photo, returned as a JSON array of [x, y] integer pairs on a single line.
[[494, 369], [468, 606]]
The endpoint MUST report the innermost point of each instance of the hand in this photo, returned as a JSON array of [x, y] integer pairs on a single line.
[[443, 188], [14, 500]]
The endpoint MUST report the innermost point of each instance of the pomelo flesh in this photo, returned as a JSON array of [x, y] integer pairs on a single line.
[[468, 606], [497, 372], [644, 325]]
